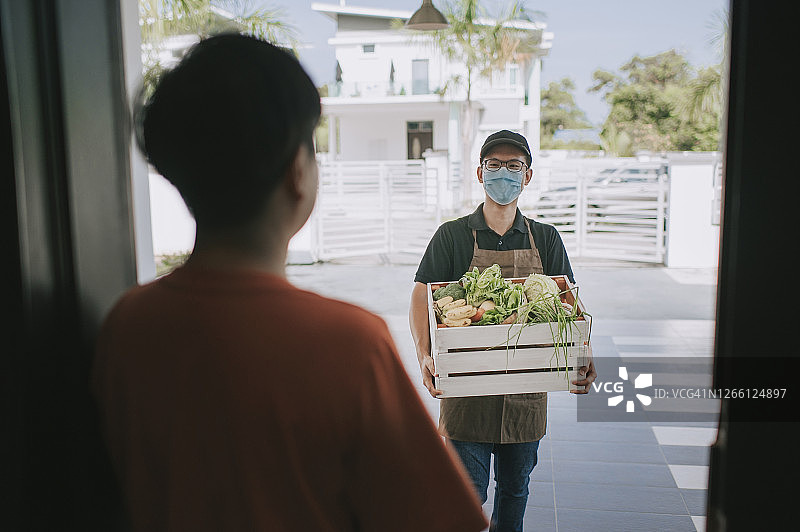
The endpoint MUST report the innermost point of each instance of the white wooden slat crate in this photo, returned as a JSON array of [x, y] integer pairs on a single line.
[[508, 359]]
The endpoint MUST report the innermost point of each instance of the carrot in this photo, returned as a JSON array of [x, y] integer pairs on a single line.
[[478, 315]]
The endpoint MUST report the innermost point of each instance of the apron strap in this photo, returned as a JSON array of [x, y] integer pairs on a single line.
[[530, 234]]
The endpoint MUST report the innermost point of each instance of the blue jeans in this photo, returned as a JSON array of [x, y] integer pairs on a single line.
[[513, 463]]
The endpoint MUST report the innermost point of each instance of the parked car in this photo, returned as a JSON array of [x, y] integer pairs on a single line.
[[612, 197]]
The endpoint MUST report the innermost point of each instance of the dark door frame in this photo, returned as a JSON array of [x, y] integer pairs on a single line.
[[68, 253], [754, 463]]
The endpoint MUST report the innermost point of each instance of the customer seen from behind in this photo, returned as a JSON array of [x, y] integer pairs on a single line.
[[232, 400]]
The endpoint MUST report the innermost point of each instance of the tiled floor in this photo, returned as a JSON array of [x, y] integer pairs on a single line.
[[623, 476], [591, 476]]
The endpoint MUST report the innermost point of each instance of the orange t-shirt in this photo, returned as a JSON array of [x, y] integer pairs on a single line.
[[236, 401]]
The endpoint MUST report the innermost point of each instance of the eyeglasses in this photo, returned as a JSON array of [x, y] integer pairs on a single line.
[[493, 165]]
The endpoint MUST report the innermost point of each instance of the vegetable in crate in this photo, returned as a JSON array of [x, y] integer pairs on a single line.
[[494, 316], [504, 298], [538, 286], [454, 290], [538, 299], [480, 286], [443, 301], [487, 305], [457, 313], [514, 300], [544, 296], [453, 304]]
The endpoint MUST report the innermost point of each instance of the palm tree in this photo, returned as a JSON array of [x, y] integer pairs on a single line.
[[705, 94], [616, 142], [510, 43], [482, 44], [165, 19], [707, 90]]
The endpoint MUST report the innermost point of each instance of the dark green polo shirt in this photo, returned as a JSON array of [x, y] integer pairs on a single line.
[[449, 252]]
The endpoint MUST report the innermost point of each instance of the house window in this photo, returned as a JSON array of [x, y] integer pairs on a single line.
[[498, 78], [420, 138], [337, 133], [419, 76], [513, 71], [368, 48]]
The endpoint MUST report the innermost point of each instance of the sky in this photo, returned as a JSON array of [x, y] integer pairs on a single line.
[[588, 35]]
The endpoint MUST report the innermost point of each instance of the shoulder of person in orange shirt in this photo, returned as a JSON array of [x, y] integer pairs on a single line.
[[318, 382]]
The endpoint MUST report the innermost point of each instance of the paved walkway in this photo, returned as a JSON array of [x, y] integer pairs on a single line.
[[597, 476]]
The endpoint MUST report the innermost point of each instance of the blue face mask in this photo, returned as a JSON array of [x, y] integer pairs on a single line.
[[503, 186]]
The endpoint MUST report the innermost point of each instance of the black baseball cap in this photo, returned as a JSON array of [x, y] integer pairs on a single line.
[[505, 136]]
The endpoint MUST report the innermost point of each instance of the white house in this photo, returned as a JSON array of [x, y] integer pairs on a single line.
[[390, 102], [389, 109]]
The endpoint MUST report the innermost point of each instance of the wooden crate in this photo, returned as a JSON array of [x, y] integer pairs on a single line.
[[507, 359]]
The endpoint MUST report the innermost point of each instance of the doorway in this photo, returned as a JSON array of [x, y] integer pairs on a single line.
[[419, 138]]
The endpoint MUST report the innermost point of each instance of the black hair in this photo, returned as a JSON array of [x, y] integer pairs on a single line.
[[225, 124]]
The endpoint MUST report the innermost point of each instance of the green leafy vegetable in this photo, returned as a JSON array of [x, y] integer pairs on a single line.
[[513, 299], [544, 300], [455, 290], [544, 297], [537, 300], [480, 286], [494, 316], [538, 286]]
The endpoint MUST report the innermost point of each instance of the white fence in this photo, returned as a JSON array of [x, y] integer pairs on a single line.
[[663, 211], [602, 208], [375, 207]]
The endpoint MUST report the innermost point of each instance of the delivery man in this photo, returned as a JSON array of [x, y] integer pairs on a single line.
[[508, 426]]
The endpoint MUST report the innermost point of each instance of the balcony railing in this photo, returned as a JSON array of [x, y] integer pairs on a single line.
[[373, 89], [379, 89]]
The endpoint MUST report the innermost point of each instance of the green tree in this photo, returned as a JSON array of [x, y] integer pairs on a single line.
[[163, 19], [647, 104], [559, 111]]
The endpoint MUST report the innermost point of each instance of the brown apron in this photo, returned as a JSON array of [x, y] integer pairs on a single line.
[[498, 418]]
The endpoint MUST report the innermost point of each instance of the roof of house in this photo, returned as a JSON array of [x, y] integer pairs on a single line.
[[334, 10]]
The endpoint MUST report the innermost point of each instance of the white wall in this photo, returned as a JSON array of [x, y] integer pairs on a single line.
[[369, 136], [173, 226], [692, 240], [365, 68]]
